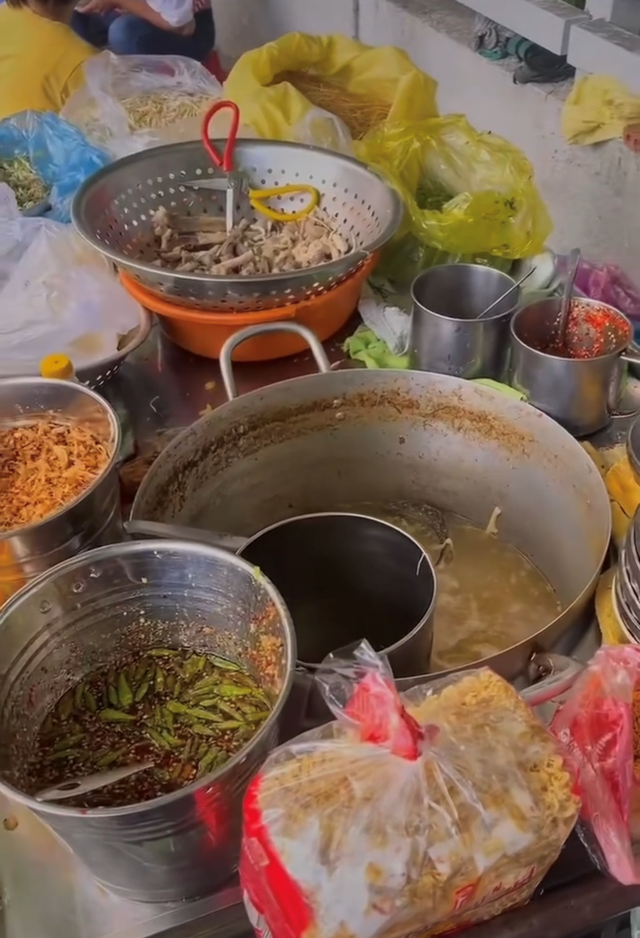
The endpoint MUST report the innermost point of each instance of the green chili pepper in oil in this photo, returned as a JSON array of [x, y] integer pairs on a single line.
[[77, 696], [65, 754], [224, 664], [116, 716], [198, 713], [112, 694], [155, 737], [69, 742], [141, 691], [125, 693], [65, 707], [90, 701], [203, 730], [233, 690], [111, 756]]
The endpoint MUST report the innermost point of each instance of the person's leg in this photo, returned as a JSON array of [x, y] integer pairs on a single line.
[[132, 35], [93, 27]]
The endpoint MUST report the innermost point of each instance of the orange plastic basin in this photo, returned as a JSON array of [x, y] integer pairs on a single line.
[[205, 333]]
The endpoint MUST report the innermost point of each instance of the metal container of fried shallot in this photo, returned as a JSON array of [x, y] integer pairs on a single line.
[[91, 612], [94, 517]]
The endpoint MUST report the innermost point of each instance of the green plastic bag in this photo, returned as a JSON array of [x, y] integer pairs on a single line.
[[467, 194]]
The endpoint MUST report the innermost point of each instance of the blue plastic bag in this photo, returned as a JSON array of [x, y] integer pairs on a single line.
[[58, 152]]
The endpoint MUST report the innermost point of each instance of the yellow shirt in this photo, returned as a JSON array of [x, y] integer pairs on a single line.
[[40, 61]]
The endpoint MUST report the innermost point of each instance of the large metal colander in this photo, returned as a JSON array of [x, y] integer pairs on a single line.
[[114, 208]]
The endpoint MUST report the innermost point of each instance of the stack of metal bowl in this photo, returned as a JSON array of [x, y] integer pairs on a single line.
[[626, 594], [627, 582]]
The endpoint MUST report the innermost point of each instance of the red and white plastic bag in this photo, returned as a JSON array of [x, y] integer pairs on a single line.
[[599, 727], [413, 815]]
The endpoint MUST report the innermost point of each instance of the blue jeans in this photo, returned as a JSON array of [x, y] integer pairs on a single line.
[[126, 34]]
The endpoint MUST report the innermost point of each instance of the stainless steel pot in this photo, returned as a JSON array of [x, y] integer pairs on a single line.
[[114, 601], [446, 335], [580, 393], [359, 437], [94, 517], [344, 577]]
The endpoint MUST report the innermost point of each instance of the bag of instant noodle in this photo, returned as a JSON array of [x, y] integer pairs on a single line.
[[412, 815]]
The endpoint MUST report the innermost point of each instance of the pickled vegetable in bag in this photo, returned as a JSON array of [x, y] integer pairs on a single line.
[[468, 194], [420, 814], [599, 727]]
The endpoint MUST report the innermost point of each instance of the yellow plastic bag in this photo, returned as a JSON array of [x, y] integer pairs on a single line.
[[361, 83], [467, 193]]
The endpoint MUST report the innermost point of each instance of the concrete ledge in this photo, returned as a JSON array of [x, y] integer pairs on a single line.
[[547, 22], [599, 46]]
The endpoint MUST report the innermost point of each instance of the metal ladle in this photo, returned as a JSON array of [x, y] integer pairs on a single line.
[[514, 286], [82, 786]]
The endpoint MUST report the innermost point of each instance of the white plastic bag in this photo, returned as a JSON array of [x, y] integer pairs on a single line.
[[57, 294], [132, 102]]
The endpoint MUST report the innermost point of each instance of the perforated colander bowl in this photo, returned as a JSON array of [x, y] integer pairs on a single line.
[[113, 211]]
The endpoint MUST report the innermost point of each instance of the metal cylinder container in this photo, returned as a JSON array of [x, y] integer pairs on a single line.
[[94, 517], [347, 577], [446, 335], [580, 393], [90, 612]]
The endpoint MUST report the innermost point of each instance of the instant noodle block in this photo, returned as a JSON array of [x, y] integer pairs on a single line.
[[407, 816]]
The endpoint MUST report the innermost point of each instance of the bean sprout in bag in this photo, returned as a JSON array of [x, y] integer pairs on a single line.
[[421, 814], [54, 151]]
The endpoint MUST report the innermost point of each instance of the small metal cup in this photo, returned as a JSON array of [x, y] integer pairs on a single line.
[[580, 393], [446, 335]]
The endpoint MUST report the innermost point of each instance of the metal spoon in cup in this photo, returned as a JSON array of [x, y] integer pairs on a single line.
[[514, 286], [567, 294]]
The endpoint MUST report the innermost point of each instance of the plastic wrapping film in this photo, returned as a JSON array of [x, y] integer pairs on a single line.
[[599, 727], [58, 152], [129, 103]]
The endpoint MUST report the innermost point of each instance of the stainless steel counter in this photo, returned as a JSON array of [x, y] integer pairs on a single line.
[[48, 894]]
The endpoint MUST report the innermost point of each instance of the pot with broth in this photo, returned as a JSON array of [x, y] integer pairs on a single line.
[[490, 596], [386, 438]]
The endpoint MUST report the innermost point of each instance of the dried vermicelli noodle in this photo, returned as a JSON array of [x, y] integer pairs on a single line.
[[385, 846], [358, 112], [163, 108]]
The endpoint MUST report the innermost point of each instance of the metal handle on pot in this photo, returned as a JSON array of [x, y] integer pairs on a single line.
[[180, 532], [559, 672], [632, 354], [232, 343]]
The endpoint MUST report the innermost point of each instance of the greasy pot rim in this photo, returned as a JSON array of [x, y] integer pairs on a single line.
[[116, 439], [424, 559], [420, 307], [583, 301], [428, 384], [90, 558]]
